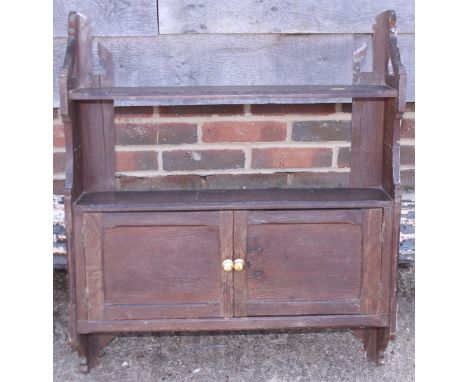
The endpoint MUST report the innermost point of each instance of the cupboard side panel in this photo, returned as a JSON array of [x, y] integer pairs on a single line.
[[372, 289], [93, 266]]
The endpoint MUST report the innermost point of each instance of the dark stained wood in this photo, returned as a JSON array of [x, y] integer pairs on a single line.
[[162, 268], [371, 287], [387, 276], [95, 119], [391, 163], [376, 341], [366, 150], [107, 111], [233, 199], [151, 261], [90, 349], [145, 311], [215, 95], [79, 266], [240, 252], [73, 185], [136, 219], [305, 217], [302, 265], [226, 251], [94, 267], [262, 59], [293, 308], [239, 323]]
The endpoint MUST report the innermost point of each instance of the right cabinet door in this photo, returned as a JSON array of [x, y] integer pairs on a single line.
[[308, 262]]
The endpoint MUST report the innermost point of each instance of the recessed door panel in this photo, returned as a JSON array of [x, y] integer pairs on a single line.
[[304, 262], [162, 265]]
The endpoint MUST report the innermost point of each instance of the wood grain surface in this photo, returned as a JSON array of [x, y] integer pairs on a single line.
[[110, 17], [233, 199], [275, 16], [229, 60]]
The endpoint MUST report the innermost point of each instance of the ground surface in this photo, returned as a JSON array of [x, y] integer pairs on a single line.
[[316, 356]]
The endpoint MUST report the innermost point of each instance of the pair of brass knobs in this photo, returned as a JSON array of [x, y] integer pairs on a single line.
[[237, 265]]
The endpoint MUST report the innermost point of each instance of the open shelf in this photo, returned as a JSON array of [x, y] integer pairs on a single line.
[[233, 199], [203, 95]]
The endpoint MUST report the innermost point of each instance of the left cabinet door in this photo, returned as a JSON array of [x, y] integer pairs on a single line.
[[149, 265]]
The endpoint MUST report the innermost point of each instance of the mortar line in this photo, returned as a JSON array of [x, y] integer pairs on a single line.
[[335, 151], [233, 146], [238, 171]]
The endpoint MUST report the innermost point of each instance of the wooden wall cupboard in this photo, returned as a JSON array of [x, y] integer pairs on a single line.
[[231, 259]]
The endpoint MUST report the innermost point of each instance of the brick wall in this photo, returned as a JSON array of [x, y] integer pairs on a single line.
[[236, 146]]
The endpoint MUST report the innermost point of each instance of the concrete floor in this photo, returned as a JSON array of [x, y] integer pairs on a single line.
[[312, 355]]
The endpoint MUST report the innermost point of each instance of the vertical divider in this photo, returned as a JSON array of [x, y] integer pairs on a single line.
[[225, 236], [240, 252]]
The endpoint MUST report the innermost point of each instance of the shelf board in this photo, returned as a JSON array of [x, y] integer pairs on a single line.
[[233, 199], [213, 95]]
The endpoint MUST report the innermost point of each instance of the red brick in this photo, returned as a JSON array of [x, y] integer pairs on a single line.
[[59, 136], [202, 110], [134, 111], [247, 181], [316, 131], [59, 163], [153, 133], [59, 186], [177, 134], [136, 160], [344, 157], [410, 106], [407, 155], [269, 109], [290, 157], [407, 128], [347, 107], [233, 131], [203, 160], [319, 179], [169, 182]]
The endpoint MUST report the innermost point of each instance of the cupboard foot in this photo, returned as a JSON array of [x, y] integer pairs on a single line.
[[89, 349], [375, 341]]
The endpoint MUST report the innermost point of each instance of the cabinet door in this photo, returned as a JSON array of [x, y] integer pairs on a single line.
[[157, 265], [307, 262]]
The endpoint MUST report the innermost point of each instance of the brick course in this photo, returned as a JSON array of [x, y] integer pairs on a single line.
[[407, 128], [407, 155], [235, 146], [155, 133], [289, 157], [344, 157], [203, 160], [136, 160], [59, 163], [239, 131], [59, 136], [317, 131]]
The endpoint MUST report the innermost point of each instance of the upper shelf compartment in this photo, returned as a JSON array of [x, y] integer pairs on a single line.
[[211, 95]]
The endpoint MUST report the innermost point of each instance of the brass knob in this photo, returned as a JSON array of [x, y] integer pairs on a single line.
[[228, 265], [239, 265]]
